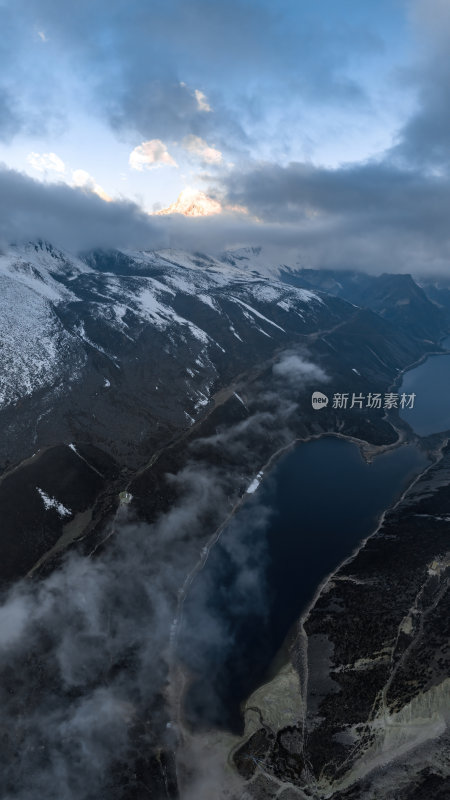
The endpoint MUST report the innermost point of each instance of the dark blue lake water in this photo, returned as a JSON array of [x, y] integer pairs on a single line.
[[431, 383], [306, 517]]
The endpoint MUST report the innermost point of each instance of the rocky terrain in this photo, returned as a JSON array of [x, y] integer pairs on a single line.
[[369, 670], [141, 395], [109, 358]]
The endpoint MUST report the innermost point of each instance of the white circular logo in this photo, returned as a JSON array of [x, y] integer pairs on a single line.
[[319, 400]]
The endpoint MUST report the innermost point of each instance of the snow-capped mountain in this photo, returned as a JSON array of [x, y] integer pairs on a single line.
[[265, 261], [417, 306], [128, 377], [36, 347], [192, 203], [151, 333], [127, 346]]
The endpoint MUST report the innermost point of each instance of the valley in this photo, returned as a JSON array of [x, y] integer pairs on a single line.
[[190, 379]]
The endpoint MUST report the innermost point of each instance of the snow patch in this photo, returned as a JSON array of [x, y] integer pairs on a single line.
[[35, 347], [255, 483], [257, 313], [240, 399], [53, 503]]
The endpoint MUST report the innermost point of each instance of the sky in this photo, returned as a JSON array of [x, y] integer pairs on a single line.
[[321, 127]]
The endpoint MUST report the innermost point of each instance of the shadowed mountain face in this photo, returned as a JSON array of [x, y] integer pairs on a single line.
[[396, 298], [116, 353], [126, 347], [154, 334], [421, 308]]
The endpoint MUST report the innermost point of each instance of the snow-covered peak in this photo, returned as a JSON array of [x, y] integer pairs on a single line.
[[266, 261], [39, 267], [44, 254], [57, 312], [192, 203]]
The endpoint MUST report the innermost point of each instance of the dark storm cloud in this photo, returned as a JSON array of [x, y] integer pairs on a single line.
[[372, 216], [300, 190], [68, 217], [424, 139]]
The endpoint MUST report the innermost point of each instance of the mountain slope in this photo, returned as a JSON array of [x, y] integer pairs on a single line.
[[420, 310], [151, 333], [121, 353], [158, 384]]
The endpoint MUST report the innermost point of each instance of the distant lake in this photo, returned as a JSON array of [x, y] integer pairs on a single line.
[[307, 516], [430, 382]]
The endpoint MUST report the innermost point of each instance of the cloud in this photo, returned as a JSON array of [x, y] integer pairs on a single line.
[[44, 162], [198, 146], [375, 216], [232, 589], [80, 717], [88, 653], [202, 101], [99, 628], [84, 180], [10, 116], [151, 154], [372, 217], [70, 217], [141, 72], [298, 371], [30, 82], [423, 141]]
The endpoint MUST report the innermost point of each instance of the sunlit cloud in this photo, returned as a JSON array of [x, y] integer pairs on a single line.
[[46, 162], [202, 101], [42, 36], [151, 154], [83, 180], [198, 146]]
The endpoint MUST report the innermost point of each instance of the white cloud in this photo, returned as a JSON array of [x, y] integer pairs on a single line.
[[297, 370], [198, 146], [202, 101], [42, 36], [44, 162], [151, 154], [84, 180]]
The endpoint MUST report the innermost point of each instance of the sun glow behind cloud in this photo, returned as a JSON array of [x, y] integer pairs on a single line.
[[151, 154], [43, 162], [82, 180], [197, 146]]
